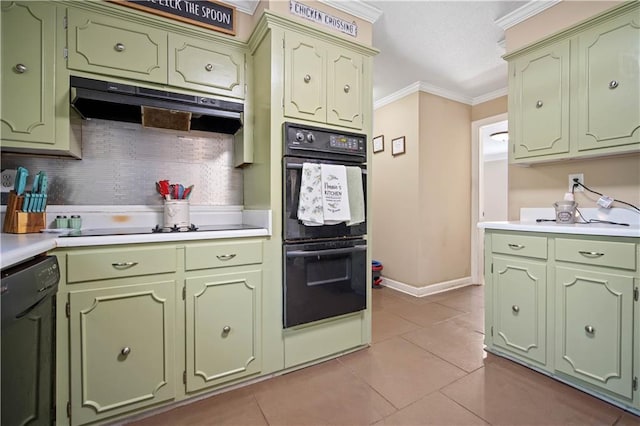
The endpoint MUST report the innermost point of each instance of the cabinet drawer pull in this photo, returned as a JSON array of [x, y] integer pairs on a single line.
[[125, 351], [516, 246], [208, 67], [592, 254], [119, 47], [613, 84], [124, 265], [589, 329], [307, 78], [347, 88], [226, 329], [21, 68], [226, 256], [515, 308], [539, 104]]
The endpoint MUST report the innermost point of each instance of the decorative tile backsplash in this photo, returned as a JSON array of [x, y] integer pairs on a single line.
[[122, 161]]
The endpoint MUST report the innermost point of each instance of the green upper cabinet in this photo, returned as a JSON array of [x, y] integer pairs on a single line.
[[344, 94], [609, 84], [539, 102], [575, 94], [594, 328], [305, 85], [198, 64], [28, 91], [34, 87], [108, 45], [322, 83]]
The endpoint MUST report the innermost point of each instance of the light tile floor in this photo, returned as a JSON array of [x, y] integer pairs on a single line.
[[426, 366]]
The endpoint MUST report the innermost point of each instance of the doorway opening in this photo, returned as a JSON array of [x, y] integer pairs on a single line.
[[490, 184]]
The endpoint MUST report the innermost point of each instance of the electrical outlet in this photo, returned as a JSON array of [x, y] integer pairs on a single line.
[[8, 179], [580, 177]]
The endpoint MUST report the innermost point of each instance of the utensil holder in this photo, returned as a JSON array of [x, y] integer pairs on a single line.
[[176, 213], [18, 222]]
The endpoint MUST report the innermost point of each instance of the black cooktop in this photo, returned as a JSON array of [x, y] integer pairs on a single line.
[[102, 232]]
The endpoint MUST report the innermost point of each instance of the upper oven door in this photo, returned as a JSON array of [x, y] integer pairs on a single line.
[[294, 229]]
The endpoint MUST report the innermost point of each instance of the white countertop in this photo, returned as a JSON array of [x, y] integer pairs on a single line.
[[529, 216], [16, 248]]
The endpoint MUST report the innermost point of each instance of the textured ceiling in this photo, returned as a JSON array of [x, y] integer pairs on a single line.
[[449, 46]]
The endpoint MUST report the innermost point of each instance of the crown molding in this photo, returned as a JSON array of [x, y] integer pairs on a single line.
[[245, 6], [523, 13], [490, 96], [356, 8]]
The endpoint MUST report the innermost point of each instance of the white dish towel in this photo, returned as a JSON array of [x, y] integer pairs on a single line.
[[356, 195], [310, 208], [335, 194]]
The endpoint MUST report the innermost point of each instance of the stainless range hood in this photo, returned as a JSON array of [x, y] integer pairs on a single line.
[[154, 108]]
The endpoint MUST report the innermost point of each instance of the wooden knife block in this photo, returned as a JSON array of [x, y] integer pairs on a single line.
[[19, 222]]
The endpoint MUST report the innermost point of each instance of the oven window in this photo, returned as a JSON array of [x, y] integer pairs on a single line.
[[328, 271]]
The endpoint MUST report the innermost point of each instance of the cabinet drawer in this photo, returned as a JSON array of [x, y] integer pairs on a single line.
[[101, 264], [219, 255], [519, 245], [598, 253]]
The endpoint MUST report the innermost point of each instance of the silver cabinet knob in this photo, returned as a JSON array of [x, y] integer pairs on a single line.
[[613, 84], [119, 47], [515, 308], [21, 68], [539, 104], [208, 67], [226, 329], [125, 351], [589, 329], [307, 78], [347, 88]]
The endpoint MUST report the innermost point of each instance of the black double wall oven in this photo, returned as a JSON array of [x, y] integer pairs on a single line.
[[325, 266]]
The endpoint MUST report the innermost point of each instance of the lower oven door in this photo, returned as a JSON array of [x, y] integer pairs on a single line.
[[323, 280]]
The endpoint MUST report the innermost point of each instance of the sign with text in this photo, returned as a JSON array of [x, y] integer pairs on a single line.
[[323, 18], [204, 13]]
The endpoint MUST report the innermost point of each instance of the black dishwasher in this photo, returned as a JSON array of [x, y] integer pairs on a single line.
[[27, 297]]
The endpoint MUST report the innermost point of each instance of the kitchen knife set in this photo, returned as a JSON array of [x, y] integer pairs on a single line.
[[35, 201], [176, 191]]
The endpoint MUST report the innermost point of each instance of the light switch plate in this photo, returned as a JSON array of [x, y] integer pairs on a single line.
[[8, 180]]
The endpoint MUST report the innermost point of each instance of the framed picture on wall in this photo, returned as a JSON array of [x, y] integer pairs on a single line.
[[378, 144], [397, 146]]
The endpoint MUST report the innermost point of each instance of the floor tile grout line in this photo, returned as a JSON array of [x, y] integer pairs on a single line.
[[462, 406]]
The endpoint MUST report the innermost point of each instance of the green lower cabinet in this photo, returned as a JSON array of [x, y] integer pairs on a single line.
[[519, 307], [594, 328], [122, 347], [223, 336]]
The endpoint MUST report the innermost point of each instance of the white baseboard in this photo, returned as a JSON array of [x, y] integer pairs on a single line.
[[426, 290]]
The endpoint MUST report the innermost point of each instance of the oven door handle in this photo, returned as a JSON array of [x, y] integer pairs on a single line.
[[298, 166], [327, 252]]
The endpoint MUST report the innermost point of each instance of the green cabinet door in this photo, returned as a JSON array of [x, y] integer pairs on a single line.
[[206, 66], [539, 102], [609, 83], [305, 78], [27, 66], [223, 314], [519, 307], [594, 328], [121, 349], [345, 83], [106, 45]]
